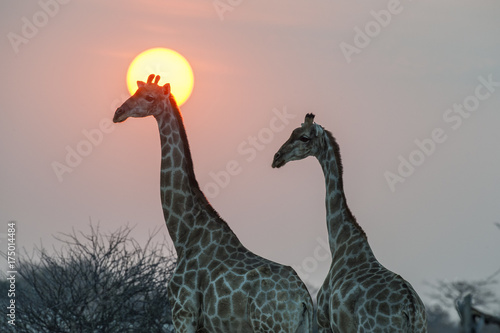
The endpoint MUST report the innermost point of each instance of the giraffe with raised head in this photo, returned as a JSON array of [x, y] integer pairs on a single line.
[[218, 286], [358, 294]]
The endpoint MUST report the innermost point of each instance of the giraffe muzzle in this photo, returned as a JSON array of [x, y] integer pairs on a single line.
[[119, 115], [278, 161]]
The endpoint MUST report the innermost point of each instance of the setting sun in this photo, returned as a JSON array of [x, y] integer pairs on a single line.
[[170, 65]]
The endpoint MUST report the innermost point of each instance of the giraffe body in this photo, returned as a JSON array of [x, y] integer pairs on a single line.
[[218, 286], [355, 303], [358, 294]]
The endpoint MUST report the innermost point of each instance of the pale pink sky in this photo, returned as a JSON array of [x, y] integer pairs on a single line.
[[397, 82]]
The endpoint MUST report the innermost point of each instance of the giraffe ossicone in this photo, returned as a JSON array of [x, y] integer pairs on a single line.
[[358, 294], [219, 285]]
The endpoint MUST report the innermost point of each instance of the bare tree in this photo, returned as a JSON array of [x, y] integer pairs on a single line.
[[447, 293], [96, 283]]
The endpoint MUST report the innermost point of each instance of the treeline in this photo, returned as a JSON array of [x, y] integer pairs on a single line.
[[110, 283]]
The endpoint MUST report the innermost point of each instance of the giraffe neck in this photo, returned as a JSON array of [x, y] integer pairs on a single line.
[[345, 235], [182, 200]]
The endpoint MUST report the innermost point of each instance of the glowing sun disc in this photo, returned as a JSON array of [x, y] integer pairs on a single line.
[[172, 67]]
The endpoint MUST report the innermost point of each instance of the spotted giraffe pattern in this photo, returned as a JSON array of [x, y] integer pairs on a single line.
[[358, 294], [219, 285]]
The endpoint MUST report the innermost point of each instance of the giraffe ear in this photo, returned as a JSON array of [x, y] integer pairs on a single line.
[[313, 133], [141, 84], [316, 130], [166, 89]]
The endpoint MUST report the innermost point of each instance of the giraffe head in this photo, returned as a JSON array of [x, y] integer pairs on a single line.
[[307, 140], [148, 100]]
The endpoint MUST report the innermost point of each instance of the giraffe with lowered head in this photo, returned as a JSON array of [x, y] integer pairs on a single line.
[[358, 294], [219, 286]]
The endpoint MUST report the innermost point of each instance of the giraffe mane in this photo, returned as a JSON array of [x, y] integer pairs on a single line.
[[338, 158], [190, 166]]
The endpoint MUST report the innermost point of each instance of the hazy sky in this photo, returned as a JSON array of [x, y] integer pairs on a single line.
[[410, 89]]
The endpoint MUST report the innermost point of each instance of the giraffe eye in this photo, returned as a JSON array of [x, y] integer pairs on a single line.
[[149, 98], [304, 138]]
